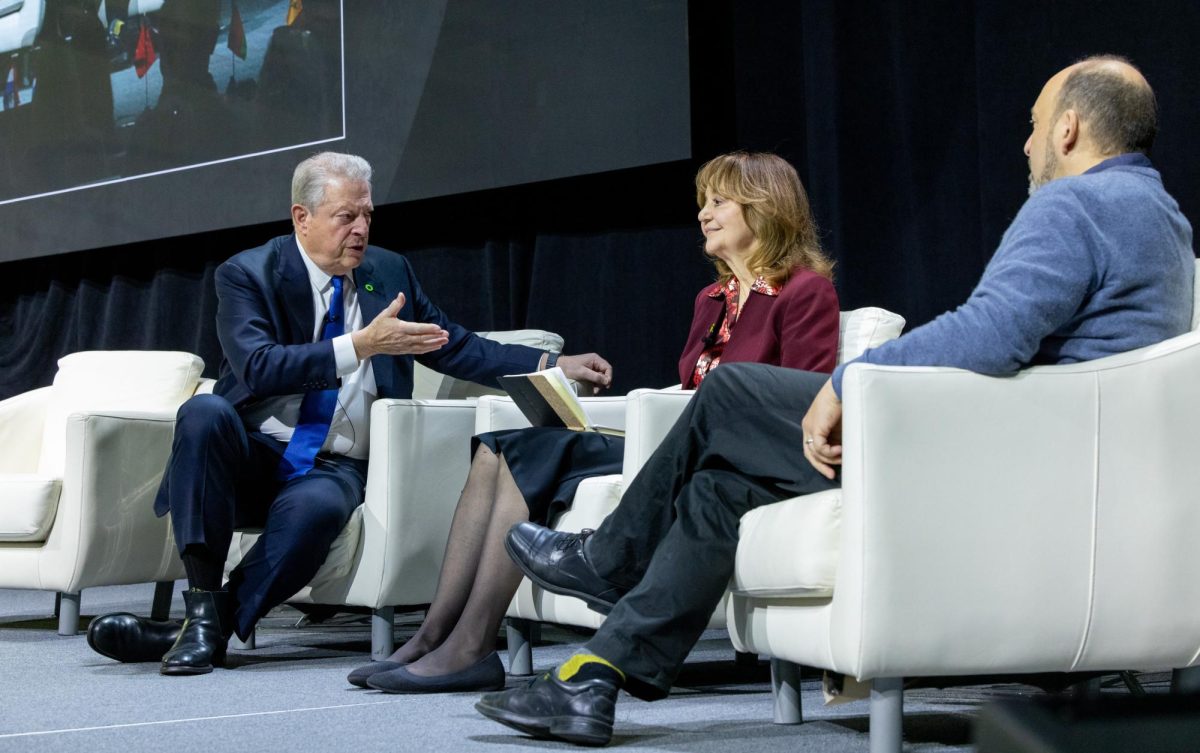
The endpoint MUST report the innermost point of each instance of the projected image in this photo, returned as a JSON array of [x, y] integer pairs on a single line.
[[99, 90], [130, 120]]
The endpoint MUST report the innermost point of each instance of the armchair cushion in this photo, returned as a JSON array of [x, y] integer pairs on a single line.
[[790, 549], [343, 553], [429, 384], [28, 508], [113, 380]]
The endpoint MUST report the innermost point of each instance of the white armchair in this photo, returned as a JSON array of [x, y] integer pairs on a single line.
[[594, 500], [1043, 522], [648, 416], [81, 465], [390, 552]]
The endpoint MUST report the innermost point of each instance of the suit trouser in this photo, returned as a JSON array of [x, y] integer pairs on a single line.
[[673, 538], [221, 477]]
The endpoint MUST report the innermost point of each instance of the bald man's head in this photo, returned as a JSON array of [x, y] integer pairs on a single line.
[[1114, 102]]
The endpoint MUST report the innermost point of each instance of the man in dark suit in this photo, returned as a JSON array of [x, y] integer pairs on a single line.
[[313, 327]]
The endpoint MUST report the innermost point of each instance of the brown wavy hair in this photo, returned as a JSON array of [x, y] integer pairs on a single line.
[[776, 209]]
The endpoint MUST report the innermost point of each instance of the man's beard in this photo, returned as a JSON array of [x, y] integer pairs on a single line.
[[1049, 165]]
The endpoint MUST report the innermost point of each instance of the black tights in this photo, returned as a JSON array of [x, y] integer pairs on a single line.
[[477, 580]]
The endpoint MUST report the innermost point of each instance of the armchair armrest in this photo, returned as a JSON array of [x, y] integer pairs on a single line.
[[979, 511], [420, 458], [105, 531], [21, 420], [649, 415], [606, 411], [495, 413]]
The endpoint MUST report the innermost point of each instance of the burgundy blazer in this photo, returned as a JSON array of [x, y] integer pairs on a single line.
[[797, 328]]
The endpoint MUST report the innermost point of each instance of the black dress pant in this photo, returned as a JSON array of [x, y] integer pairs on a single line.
[[673, 537], [221, 477]]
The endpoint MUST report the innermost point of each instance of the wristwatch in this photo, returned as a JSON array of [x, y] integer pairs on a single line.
[[551, 359]]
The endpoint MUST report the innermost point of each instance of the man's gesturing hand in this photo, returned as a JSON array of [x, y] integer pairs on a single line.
[[589, 368], [394, 337], [823, 431]]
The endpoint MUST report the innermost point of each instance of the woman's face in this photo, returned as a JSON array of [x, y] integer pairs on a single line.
[[726, 234]]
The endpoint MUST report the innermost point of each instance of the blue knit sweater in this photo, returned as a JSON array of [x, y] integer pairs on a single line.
[[1093, 265]]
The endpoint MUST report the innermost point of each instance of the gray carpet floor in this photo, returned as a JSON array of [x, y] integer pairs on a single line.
[[290, 694]]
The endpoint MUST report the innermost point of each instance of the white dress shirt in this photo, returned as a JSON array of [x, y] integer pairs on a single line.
[[350, 429]]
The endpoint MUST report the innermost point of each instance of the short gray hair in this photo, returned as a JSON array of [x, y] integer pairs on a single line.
[[1122, 113], [318, 171]]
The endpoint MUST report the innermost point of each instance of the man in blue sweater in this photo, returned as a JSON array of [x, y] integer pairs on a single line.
[[1098, 261]]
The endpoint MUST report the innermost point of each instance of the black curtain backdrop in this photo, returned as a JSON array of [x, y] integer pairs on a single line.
[[906, 121]]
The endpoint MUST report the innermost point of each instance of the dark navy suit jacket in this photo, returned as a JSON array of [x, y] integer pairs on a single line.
[[265, 322]]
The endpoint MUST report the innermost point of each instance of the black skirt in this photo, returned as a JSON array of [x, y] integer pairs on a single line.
[[549, 462]]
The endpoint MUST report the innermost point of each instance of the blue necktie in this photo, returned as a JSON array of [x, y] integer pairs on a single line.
[[316, 410]]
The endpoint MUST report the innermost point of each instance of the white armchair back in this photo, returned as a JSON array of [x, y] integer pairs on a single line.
[[108, 380], [863, 328], [429, 384]]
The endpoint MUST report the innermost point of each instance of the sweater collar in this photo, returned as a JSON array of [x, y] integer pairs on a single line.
[[1130, 159]]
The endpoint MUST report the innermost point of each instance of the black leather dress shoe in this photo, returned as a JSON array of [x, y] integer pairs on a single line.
[[485, 674], [578, 712], [204, 638], [359, 676], [558, 562], [129, 638]]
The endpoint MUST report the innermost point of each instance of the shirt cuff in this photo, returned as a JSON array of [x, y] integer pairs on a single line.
[[344, 357]]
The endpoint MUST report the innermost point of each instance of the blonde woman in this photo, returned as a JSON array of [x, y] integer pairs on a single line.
[[773, 302]]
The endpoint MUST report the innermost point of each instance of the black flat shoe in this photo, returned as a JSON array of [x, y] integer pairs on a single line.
[[485, 674], [359, 676], [558, 562], [129, 638], [578, 712]]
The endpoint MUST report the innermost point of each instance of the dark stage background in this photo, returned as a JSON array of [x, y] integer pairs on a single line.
[[906, 121]]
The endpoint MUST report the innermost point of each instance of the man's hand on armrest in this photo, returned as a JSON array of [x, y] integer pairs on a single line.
[[394, 337], [589, 368], [823, 431]]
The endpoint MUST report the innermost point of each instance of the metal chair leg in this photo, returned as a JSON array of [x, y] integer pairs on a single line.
[[249, 644], [785, 691], [67, 608], [383, 634], [887, 715], [520, 636]]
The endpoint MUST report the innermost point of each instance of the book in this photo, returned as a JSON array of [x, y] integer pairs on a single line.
[[548, 399]]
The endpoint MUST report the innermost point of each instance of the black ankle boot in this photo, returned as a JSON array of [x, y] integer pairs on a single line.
[[129, 638], [201, 643]]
